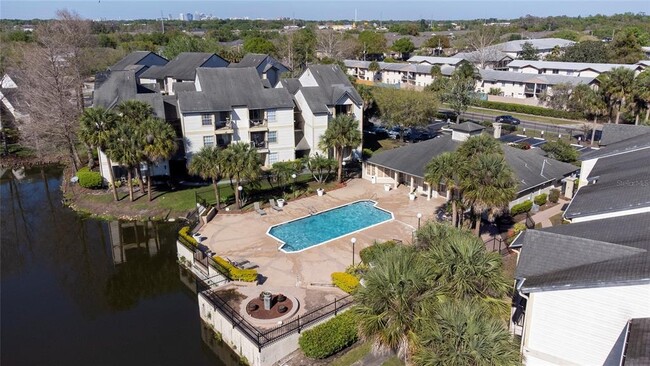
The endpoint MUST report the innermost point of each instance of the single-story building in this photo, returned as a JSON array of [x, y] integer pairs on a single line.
[[406, 165]]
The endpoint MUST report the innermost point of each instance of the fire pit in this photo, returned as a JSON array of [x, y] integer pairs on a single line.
[[269, 306]]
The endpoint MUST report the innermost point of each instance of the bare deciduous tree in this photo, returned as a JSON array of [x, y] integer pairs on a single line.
[[482, 44], [332, 44]]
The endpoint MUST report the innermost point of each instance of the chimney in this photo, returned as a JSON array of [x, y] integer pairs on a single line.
[[497, 130]]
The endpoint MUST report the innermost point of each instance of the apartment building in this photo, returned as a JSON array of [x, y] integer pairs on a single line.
[[579, 69]]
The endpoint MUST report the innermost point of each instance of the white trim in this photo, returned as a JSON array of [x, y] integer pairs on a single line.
[[282, 243]]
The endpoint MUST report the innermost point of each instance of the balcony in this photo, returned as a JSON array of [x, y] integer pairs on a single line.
[[259, 124], [223, 141], [260, 144], [223, 126]]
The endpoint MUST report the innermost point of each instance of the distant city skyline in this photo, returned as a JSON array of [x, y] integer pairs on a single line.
[[320, 10]]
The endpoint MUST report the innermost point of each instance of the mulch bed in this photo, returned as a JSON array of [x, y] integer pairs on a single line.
[[273, 313]]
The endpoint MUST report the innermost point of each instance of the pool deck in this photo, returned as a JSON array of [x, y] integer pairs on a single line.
[[243, 236]]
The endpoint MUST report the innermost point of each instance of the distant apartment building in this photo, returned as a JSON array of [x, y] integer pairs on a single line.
[[580, 69]]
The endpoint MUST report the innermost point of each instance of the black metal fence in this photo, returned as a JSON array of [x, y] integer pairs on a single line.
[[263, 338], [497, 244]]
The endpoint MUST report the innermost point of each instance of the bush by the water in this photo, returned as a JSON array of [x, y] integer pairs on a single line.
[[234, 273], [89, 179], [521, 208], [345, 281], [330, 337], [541, 199], [370, 253], [186, 238], [554, 195]]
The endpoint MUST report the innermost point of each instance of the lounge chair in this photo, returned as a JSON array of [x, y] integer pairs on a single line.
[[274, 206], [258, 209]]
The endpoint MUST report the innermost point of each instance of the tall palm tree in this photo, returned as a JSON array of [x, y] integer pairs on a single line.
[[444, 169], [478, 145], [393, 292], [160, 144], [617, 86], [96, 128], [463, 333], [642, 91], [124, 148], [241, 162], [134, 113], [489, 185], [208, 163], [342, 133], [594, 105]]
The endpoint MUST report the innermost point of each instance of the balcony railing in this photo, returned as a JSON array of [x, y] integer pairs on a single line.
[[259, 144], [258, 123], [223, 125], [223, 144]]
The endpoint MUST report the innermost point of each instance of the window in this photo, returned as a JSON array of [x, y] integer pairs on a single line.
[[569, 72], [273, 158], [556, 71], [270, 115], [206, 120], [273, 136], [208, 141]]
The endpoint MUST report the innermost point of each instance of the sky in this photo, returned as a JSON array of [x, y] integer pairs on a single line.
[[321, 10]]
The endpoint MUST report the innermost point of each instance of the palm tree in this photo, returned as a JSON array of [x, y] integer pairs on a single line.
[[342, 133], [478, 145], [320, 167], [435, 72], [241, 162], [134, 113], [444, 169], [124, 148], [617, 86], [463, 333], [160, 144], [96, 127], [208, 163], [463, 269], [642, 91], [395, 288], [594, 105], [488, 184]]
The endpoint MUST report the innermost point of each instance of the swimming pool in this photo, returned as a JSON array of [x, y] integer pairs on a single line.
[[309, 231]]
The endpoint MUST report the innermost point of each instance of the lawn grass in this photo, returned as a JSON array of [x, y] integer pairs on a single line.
[[355, 354], [556, 219]]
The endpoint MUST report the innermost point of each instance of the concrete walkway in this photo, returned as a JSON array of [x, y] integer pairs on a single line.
[[543, 217]]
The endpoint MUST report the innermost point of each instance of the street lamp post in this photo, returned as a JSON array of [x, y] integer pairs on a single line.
[[240, 189], [419, 215], [294, 184], [343, 172], [353, 240]]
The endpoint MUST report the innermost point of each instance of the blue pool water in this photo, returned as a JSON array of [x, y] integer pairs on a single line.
[[310, 231]]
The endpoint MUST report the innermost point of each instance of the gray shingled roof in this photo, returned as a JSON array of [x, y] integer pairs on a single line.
[[291, 84], [223, 88], [445, 70], [467, 127], [131, 59], [578, 66], [613, 133], [527, 165], [183, 87], [623, 183], [333, 84], [182, 67], [520, 77], [588, 254], [250, 60], [637, 352], [121, 86], [623, 146], [436, 60]]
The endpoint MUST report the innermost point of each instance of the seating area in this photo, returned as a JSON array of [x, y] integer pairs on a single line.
[[274, 205], [242, 263], [258, 209]]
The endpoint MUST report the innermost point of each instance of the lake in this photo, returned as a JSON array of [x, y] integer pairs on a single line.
[[80, 291]]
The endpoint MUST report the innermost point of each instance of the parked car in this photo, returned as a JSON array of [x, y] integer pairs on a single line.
[[507, 119], [395, 133], [373, 129], [415, 135]]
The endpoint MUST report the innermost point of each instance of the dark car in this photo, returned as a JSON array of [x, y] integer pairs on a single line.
[[507, 120], [447, 116], [414, 135]]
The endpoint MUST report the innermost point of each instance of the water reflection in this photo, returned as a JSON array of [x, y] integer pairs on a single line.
[[82, 291]]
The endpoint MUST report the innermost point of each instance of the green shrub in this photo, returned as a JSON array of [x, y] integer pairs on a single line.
[[541, 199], [554, 195], [89, 179], [234, 273], [330, 337], [521, 208], [519, 227], [345, 281], [370, 253], [366, 154], [527, 109], [185, 237]]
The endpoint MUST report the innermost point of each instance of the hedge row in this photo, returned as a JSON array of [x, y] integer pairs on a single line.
[[521, 208], [527, 109], [186, 238], [89, 179], [370, 253], [541, 199], [234, 273], [345, 281], [330, 337]]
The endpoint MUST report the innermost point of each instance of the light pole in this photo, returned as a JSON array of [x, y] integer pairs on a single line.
[[294, 184], [240, 189], [353, 240], [419, 215], [343, 172]]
